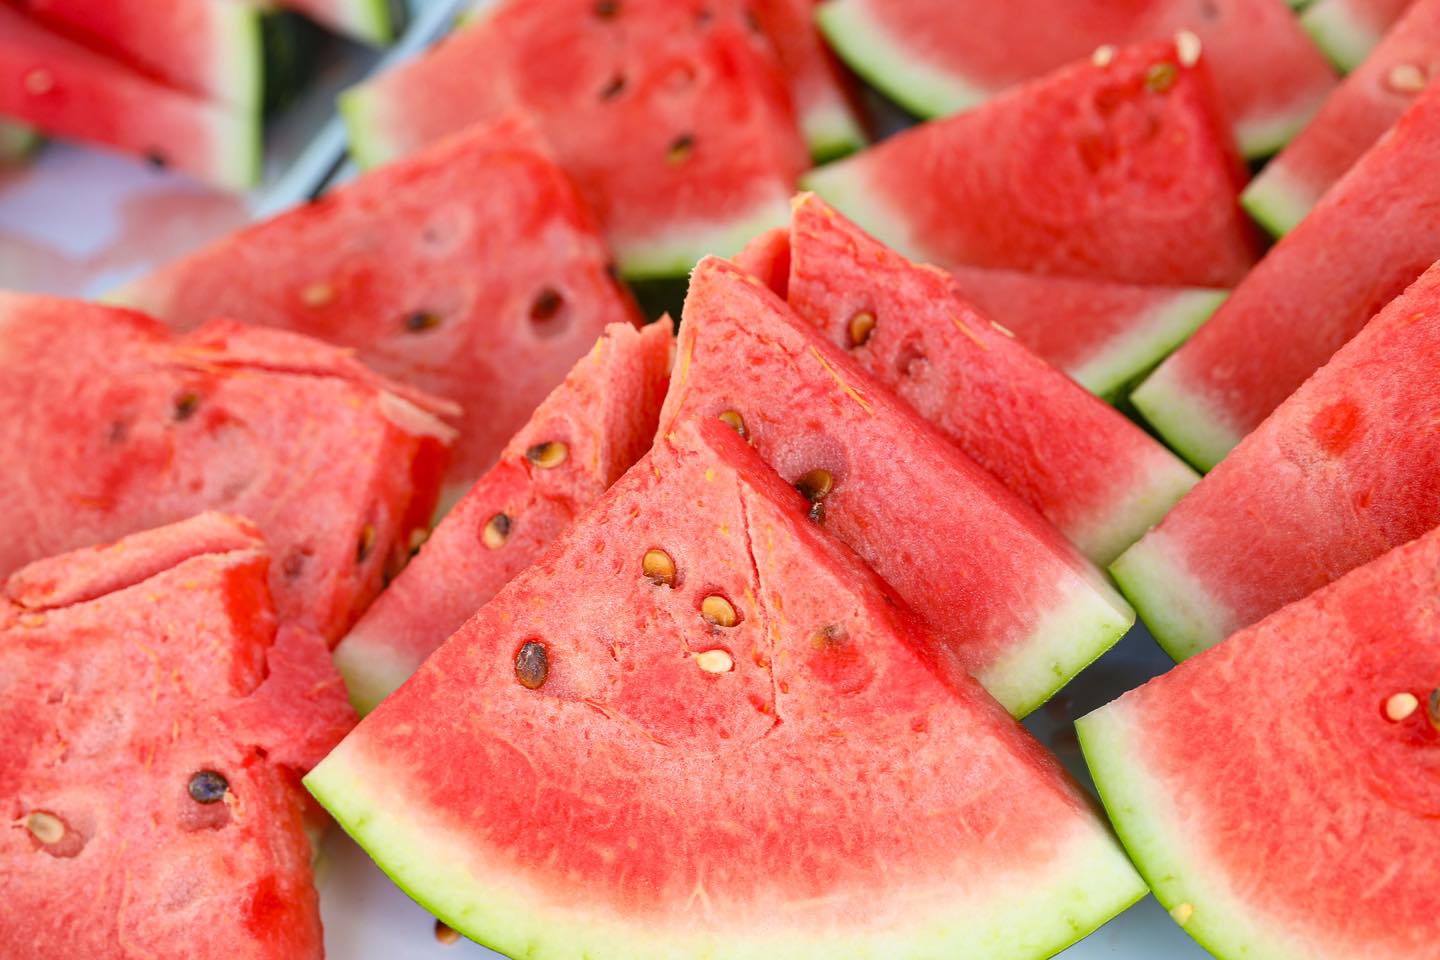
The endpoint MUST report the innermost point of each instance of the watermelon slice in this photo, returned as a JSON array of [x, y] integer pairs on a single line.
[[1303, 747], [1356, 115], [939, 56], [588, 432], [108, 426], [371, 21], [821, 90], [691, 719], [210, 48], [1347, 30], [471, 271], [67, 90], [155, 721], [1371, 235], [673, 117], [1020, 608], [1093, 474], [1345, 469], [1119, 169]]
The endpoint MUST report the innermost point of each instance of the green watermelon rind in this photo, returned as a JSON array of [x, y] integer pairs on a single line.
[[1275, 200], [1153, 831], [867, 48], [1183, 420], [681, 247], [1108, 372], [363, 128], [370, 804], [1344, 40], [1181, 617], [238, 43], [831, 132]]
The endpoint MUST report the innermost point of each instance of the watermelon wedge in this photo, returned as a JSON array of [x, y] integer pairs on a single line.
[[371, 21], [156, 720], [1302, 747], [588, 432], [673, 117], [210, 48], [1119, 169], [763, 675], [939, 56], [1092, 473], [1017, 605], [67, 90], [822, 92], [1357, 114], [471, 271], [1347, 30], [108, 425], [1371, 235], [1345, 469]]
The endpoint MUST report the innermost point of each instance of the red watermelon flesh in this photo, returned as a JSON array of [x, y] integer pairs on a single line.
[[1356, 115], [672, 115], [1085, 468], [210, 48], [67, 90], [1019, 607], [125, 671], [1120, 169], [812, 779], [603, 417], [1345, 469], [109, 425], [1304, 747], [1347, 30], [822, 92], [1371, 235], [939, 56], [471, 271]]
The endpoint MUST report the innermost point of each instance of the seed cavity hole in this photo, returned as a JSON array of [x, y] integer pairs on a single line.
[[548, 316]]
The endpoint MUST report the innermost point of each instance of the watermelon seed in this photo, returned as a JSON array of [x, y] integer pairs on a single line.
[[45, 827], [186, 404], [532, 665], [1434, 708], [547, 456], [613, 88], [39, 82], [1161, 76], [680, 149], [1406, 78], [752, 21], [717, 610], [715, 661], [156, 159], [366, 544], [444, 934], [317, 294], [1103, 56], [1401, 706], [418, 536], [607, 9], [546, 305], [1187, 48], [1182, 913], [421, 320], [736, 423], [119, 431], [207, 786], [829, 637], [861, 326], [815, 485], [496, 531], [659, 568]]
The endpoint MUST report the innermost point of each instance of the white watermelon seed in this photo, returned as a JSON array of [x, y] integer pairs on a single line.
[[1406, 78], [736, 422], [861, 326], [547, 456], [496, 531], [1401, 706], [1182, 913], [317, 294], [1187, 48], [715, 661], [39, 82], [659, 568], [45, 827], [1103, 56], [717, 610]]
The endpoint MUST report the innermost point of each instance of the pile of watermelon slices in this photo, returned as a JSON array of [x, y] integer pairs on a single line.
[[711, 636]]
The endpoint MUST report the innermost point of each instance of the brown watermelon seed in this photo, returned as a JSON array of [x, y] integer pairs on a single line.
[[1161, 76], [607, 9], [861, 326], [421, 320], [829, 637], [496, 531], [614, 88], [549, 455], [680, 149], [736, 423], [1406, 78], [207, 786], [366, 543], [45, 827], [1401, 706], [816, 485], [719, 611], [659, 568], [532, 665], [715, 661], [186, 404], [445, 935], [547, 303], [1434, 708]]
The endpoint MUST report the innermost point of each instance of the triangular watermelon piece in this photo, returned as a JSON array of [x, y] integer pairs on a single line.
[[940, 56], [156, 720], [1019, 607], [587, 433], [822, 92], [1119, 169], [471, 271], [1345, 469], [1357, 114], [1347, 30], [67, 90], [1371, 235], [108, 425], [1085, 468], [1305, 746], [764, 675], [673, 118]]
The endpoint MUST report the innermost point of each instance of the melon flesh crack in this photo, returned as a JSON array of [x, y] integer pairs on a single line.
[[761, 609]]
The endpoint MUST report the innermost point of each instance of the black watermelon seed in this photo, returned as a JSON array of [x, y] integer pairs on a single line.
[[421, 320], [207, 786], [186, 404], [547, 303], [612, 89]]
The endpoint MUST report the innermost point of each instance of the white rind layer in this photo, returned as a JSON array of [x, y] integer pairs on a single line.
[[1145, 504], [238, 41], [831, 131], [675, 250], [1276, 200], [1108, 371], [1180, 613], [1025, 917], [1339, 34], [371, 668], [1186, 422]]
